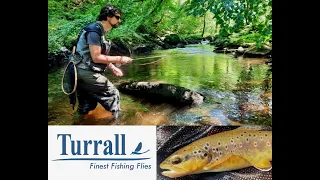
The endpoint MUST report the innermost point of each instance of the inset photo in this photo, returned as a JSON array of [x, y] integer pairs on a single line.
[[214, 152]]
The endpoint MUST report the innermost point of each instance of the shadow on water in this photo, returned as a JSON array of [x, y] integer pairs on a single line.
[[237, 91]]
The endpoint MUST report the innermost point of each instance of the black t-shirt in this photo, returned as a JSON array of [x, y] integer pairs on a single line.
[[93, 38]]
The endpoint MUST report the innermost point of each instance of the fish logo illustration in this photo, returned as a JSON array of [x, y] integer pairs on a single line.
[[138, 149]]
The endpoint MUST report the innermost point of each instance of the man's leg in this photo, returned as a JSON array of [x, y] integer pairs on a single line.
[[107, 95], [85, 85], [85, 104]]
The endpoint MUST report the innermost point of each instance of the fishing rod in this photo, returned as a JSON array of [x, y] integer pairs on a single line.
[[136, 59], [161, 57]]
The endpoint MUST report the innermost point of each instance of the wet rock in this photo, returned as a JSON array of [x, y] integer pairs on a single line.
[[162, 92], [145, 48], [172, 39], [181, 45]]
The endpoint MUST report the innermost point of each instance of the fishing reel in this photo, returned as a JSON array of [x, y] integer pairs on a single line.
[[118, 64]]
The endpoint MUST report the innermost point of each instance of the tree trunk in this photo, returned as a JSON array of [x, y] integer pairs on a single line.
[[204, 24]]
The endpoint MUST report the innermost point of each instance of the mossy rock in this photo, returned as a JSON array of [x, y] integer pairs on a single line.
[[172, 39]]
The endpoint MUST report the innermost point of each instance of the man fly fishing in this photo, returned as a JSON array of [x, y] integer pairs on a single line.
[[91, 59]]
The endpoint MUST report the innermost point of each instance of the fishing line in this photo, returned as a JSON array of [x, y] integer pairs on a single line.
[[137, 59], [161, 57]]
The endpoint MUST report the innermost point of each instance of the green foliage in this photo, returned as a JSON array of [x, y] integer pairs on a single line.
[[65, 34], [234, 15], [157, 18]]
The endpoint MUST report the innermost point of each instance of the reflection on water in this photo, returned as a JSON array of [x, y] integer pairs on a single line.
[[237, 91]]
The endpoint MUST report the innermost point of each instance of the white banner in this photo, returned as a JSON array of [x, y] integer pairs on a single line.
[[101, 152]]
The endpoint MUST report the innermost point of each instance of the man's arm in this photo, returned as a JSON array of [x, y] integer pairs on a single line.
[[97, 57], [93, 39]]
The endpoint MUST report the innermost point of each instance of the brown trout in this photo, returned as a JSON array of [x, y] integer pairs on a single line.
[[225, 151]]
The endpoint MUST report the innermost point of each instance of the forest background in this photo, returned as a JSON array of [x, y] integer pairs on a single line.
[[163, 24]]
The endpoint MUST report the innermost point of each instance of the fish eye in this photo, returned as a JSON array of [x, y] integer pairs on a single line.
[[176, 160]]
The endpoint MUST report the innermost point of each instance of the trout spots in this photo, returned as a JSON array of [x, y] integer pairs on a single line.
[[261, 138], [213, 149], [207, 147], [200, 154], [255, 144], [231, 141], [195, 152], [240, 145], [187, 157], [226, 147], [220, 153], [203, 154], [268, 143], [219, 143]]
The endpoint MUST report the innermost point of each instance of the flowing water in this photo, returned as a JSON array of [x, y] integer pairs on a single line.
[[237, 90]]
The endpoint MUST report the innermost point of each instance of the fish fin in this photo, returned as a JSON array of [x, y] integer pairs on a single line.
[[267, 169], [263, 165], [232, 163], [214, 163]]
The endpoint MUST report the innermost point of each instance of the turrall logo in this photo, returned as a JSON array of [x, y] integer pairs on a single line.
[[138, 148], [81, 148]]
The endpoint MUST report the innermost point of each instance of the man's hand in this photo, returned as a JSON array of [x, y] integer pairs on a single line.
[[125, 60], [116, 71]]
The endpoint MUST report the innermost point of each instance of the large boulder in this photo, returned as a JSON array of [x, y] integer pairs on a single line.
[[162, 92], [172, 39]]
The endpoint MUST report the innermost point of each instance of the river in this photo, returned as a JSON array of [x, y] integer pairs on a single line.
[[237, 90]]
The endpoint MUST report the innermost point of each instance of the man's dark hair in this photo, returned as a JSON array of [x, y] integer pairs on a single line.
[[108, 11]]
